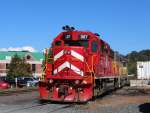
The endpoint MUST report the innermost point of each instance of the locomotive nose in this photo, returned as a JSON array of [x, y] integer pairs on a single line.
[[69, 61]]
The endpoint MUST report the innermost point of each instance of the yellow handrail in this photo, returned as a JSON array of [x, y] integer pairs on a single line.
[[91, 71]]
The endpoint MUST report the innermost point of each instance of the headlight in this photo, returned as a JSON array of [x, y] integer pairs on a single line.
[[51, 81], [67, 52], [77, 82]]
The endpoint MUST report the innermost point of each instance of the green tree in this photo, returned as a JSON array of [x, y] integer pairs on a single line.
[[18, 67]]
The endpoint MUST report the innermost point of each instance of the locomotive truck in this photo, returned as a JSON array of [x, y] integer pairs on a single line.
[[79, 65]]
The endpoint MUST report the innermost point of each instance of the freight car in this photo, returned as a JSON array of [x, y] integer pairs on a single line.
[[79, 66]]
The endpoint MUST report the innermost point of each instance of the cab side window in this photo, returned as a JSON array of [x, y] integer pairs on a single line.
[[94, 46], [102, 48]]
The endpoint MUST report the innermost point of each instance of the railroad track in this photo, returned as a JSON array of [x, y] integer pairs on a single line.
[[96, 106], [61, 108], [51, 107], [56, 109], [58, 106], [24, 108]]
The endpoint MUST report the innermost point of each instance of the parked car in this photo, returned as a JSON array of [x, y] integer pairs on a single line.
[[33, 82], [27, 81], [4, 85], [11, 82], [3, 78]]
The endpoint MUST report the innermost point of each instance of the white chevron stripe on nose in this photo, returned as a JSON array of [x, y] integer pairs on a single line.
[[58, 55], [61, 67], [73, 53], [72, 67], [76, 70], [77, 55]]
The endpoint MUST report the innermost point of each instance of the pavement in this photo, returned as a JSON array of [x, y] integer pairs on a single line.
[[124, 100]]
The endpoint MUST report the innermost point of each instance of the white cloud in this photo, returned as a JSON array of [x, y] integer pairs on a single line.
[[24, 48]]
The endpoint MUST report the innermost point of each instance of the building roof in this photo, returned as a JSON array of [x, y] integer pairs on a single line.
[[7, 55]]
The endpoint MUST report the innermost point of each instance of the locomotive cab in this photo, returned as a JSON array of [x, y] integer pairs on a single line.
[[69, 55]]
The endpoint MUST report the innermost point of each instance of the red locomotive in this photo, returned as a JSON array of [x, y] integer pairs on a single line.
[[80, 65]]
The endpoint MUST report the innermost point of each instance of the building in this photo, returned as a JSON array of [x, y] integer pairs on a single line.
[[35, 59], [143, 70]]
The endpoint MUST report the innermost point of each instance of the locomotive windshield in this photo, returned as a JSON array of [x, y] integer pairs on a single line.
[[76, 43], [58, 43]]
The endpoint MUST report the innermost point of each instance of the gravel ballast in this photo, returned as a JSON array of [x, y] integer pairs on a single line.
[[125, 100]]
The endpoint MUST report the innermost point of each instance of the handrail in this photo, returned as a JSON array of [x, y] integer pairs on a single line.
[[91, 71]]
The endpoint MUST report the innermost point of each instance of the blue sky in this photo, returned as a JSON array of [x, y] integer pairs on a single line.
[[124, 24]]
